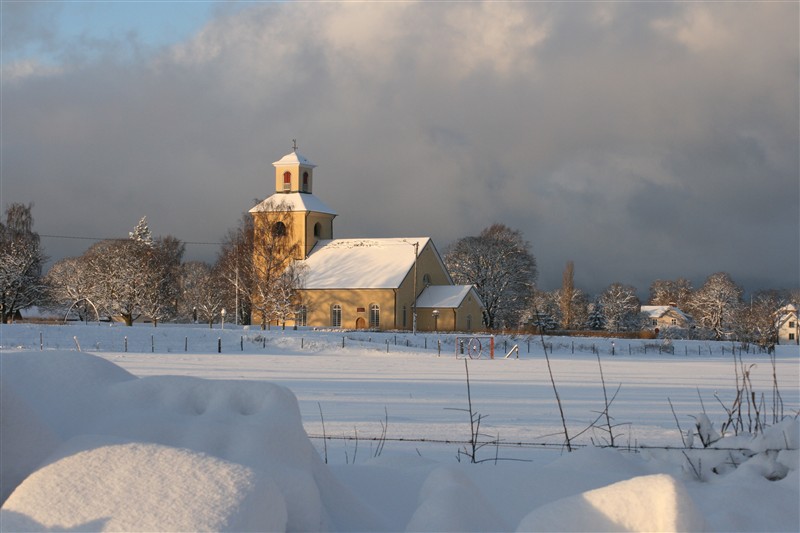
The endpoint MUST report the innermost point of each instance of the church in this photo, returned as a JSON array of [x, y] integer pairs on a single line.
[[369, 283]]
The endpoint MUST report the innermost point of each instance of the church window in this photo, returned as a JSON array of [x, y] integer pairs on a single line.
[[287, 181], [302, 316], [305, 181], [317, 230], [469, 322], [279, 229], [336, 316], [374, 316], [405, 321]]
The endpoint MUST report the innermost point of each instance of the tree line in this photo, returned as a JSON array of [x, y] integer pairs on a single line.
[[146, 277], [500, 264]]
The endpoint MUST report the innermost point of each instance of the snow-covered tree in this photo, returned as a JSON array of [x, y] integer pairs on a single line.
[[714, 305], [72, 288], [124, 278], [161, 277], [621, 307], [117, 267], [141, 233], [202, 292], [500, 265], [21, 260]]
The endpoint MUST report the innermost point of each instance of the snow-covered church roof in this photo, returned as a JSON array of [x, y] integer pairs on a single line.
[[293, 158], [444, 296], [361, 263], [293, 201]]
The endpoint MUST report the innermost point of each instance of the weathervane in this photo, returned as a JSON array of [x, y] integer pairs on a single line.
[[294, 145]]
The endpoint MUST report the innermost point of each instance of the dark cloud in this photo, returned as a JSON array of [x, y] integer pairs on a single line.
[[641, 141]]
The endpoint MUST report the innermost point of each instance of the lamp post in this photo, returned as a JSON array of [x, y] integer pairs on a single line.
[[435, 314], [222, 313]]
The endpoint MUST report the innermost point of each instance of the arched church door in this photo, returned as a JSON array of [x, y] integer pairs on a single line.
[[361, 323]]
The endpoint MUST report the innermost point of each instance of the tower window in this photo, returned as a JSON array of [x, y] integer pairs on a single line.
[[374, 316], [305, 181], [336, 315], [317, 230], [426, 280], [287, 181], [279, 229]]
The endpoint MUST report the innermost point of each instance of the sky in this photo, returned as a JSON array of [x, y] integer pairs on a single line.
[[640, 140]]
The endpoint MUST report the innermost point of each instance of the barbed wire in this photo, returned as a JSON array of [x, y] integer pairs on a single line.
[[535, 445]]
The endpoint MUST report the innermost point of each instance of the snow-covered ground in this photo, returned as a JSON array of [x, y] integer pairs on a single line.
[[194, 428]]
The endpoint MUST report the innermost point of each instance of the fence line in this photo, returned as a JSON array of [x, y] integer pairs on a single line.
[[533, 445]]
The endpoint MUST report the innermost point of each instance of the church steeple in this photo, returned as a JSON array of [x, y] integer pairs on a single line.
[[294, 173], [303, 217]]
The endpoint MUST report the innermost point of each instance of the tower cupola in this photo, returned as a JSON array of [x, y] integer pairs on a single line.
[[293, 173]]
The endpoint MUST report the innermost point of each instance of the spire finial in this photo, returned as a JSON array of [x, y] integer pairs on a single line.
[[294, 145]]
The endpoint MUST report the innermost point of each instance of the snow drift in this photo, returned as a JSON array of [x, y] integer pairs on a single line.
[[117, 438]]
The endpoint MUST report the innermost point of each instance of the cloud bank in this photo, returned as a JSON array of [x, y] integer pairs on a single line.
[[641, 141]]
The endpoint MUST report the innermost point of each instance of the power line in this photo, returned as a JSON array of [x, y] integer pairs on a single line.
[[83, 238]]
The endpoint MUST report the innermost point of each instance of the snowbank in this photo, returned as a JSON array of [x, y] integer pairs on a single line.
[[142, 487], [247, 432], [645, 503]]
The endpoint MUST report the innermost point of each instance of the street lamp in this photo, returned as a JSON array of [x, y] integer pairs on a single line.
[[223, 317], [435, 314]]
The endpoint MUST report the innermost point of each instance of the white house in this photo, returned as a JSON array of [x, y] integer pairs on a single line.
[[788, 325]]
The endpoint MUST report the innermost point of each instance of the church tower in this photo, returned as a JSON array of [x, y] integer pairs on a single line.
[[293, 212]]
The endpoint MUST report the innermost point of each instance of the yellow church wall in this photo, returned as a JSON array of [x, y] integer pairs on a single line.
[[326, 230], [355, 304]]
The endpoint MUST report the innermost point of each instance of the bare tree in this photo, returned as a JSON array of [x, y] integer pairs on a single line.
[[620, 307], [21, 260], [714, 305], [677, 293], [234, 265], [567, 296], [757, 322], [501, 266]]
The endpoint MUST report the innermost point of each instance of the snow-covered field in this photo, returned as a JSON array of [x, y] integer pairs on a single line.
[[193, 428]]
